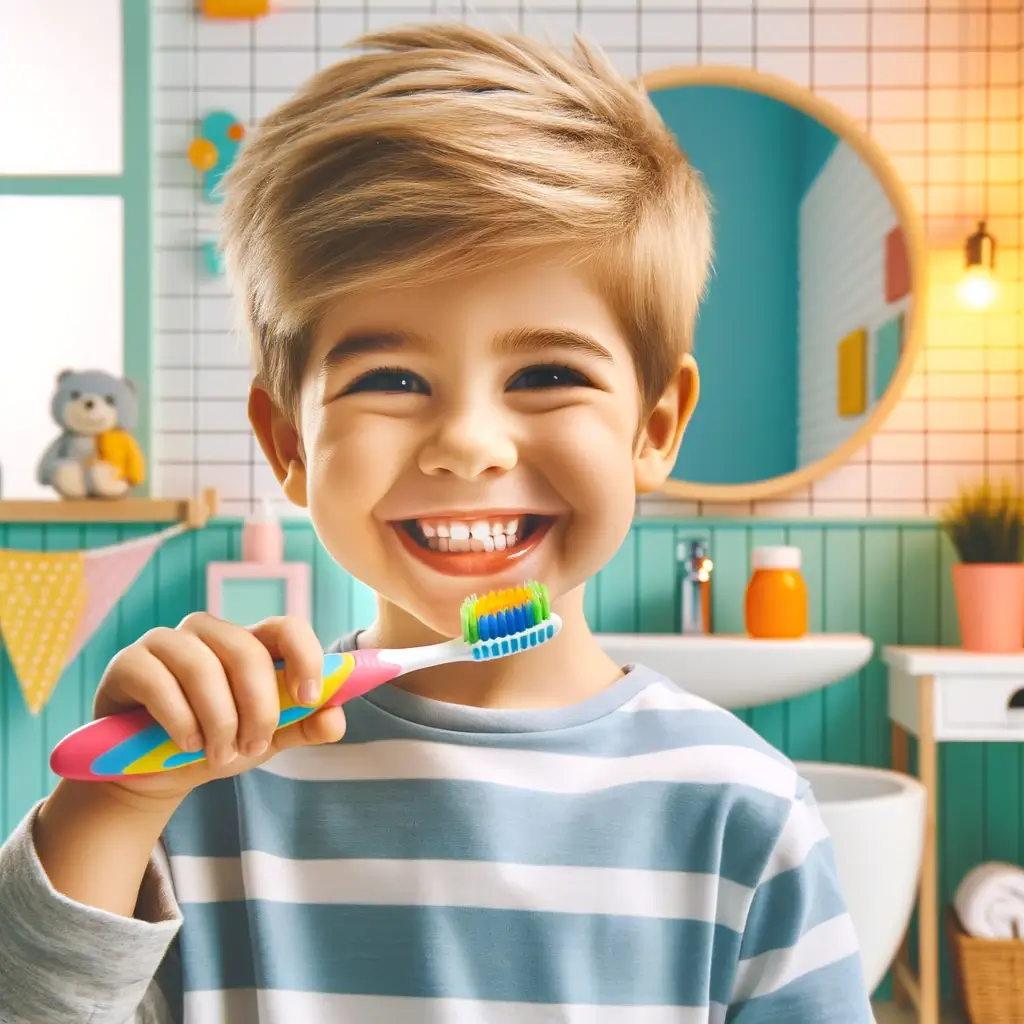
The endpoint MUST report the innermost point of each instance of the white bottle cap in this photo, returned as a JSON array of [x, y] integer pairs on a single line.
[[775, 557]]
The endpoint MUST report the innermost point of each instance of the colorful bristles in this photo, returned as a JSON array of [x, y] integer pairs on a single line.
[[505, 621]]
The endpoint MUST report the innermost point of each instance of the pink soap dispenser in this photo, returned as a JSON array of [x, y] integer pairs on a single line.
[[262, 537]]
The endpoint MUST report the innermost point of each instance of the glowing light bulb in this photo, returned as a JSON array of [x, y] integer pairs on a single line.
[[978, 289]]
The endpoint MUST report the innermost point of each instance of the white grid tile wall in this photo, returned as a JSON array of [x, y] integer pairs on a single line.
[[938, 85]]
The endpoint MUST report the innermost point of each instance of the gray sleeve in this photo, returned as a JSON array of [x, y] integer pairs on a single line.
[[65, 963]]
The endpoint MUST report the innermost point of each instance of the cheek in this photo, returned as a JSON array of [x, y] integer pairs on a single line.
[[592, 469]]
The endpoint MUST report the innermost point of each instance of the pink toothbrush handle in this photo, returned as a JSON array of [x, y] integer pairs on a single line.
[[134, 743]]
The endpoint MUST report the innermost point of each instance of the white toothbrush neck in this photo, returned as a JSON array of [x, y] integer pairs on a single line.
[[411, 659]]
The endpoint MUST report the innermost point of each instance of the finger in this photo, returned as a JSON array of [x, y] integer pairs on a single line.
[[293, 641], [204, 683], [250, 672], [326, 726], [137, 676]]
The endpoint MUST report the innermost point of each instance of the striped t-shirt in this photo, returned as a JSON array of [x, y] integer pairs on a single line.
[[641, 857]]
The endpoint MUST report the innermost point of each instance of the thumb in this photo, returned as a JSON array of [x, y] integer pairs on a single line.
[[326, 726]]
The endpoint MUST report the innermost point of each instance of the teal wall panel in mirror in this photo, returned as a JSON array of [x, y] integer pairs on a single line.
[[818, 261]]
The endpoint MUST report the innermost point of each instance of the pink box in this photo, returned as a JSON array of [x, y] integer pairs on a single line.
[[295, 576]]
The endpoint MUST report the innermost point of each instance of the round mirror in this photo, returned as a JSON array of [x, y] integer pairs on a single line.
[[809, 329]]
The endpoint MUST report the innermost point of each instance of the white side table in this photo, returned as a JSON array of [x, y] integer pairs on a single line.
[[944, 695]]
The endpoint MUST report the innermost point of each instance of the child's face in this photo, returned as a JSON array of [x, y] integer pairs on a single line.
[[462, 437]]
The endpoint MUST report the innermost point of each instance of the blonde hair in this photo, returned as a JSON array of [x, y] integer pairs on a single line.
[[446, 149]]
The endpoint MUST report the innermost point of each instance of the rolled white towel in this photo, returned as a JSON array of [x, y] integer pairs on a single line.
[[990, 901]]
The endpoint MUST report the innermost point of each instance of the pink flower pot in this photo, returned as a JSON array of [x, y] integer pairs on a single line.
[[990, 604]]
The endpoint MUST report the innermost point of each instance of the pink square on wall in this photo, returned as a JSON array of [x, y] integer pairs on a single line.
[[897, 266], [294, 575]]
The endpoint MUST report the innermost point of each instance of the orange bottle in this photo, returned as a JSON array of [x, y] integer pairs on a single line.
[[776, 601]]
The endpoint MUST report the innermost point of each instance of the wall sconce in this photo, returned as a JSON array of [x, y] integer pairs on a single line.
[[978, 289]]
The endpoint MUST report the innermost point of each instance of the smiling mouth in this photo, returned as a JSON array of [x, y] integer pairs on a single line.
[[479, 546]]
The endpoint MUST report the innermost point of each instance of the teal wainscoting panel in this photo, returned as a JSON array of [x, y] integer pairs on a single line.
[[890, 580]]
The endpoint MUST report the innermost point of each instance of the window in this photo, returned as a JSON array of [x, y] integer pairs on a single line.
[[74, 213]]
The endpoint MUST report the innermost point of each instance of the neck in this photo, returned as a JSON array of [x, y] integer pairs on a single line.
[[563, 671]]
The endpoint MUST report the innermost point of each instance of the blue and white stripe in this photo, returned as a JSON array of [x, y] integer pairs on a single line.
[[641, 857]]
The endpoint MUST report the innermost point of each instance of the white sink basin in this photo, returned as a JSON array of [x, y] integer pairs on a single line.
[[738, 672]]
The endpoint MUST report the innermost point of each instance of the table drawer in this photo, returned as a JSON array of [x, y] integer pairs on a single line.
[[982, 702]]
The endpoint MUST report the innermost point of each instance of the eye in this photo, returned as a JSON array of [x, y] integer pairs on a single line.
[[110, 400], [74, 395], [548, 377], [393, 380]]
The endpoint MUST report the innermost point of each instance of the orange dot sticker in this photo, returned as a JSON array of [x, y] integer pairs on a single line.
[[236, 132], [202, 154]]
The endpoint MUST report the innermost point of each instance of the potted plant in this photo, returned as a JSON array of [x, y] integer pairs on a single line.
[[986, 526]]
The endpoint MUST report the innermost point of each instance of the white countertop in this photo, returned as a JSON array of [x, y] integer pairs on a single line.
[[940, 661]]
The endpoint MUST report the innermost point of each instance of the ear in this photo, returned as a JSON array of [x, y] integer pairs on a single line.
[[660, 436], [130, 384], [63, 374], [281, 443]]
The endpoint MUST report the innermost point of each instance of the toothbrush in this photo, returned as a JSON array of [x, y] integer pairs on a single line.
[[493, 626]]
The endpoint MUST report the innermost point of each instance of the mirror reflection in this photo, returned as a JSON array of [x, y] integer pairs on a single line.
[[804, 322]]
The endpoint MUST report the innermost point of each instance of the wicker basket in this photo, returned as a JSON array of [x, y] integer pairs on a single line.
[[988, 973]]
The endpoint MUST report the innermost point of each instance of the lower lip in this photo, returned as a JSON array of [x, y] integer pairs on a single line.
[[472, 563]]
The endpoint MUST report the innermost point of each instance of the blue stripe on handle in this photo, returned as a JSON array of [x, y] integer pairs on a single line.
[[128, 751]]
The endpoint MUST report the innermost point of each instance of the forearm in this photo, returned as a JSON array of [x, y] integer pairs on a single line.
[[94, 843]]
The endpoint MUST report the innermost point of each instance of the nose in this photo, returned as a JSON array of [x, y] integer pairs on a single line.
[[469, 443], [88, 403]]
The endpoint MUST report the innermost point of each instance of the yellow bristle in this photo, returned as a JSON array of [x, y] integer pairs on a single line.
[[500, 600]]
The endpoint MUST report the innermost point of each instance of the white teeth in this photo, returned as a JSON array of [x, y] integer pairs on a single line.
[[479, 535]]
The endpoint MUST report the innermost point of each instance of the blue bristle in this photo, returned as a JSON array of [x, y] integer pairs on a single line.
[[503, 629], [519, 618], [487, 627], [528, 615]]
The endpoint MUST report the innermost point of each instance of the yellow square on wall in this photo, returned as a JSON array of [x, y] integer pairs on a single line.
[[852, 376], [234, 8]]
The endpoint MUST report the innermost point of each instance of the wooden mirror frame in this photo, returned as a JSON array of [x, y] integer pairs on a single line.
[[913, 233]]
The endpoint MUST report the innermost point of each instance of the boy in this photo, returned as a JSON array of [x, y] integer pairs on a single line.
[[471, 266]]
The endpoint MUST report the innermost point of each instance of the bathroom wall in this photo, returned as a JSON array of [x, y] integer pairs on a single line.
[[844, 219], [887, 580], [937, 85]]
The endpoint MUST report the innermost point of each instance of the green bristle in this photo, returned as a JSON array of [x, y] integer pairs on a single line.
[[542, 601], [470, 632]]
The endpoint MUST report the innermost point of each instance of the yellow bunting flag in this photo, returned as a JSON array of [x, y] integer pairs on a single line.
[[52, 602], [42, 596]]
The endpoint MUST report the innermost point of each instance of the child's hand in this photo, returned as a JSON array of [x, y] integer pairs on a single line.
[[213, 683]]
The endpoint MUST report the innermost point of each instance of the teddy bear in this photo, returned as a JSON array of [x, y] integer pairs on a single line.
[[95, 455]]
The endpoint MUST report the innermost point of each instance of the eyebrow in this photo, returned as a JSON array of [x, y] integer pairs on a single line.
[[518, 340], [360, 343], [535, 339]]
